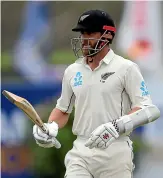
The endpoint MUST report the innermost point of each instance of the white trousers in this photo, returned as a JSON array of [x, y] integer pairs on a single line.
[[113, 162]]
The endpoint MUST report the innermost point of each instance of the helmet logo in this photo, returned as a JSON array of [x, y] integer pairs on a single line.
[[83, 17], [104, 13]]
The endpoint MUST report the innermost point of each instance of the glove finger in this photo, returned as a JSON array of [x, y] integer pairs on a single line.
[[45, 145], [98, 131], [92, 145], [103, 146], [56, 143], [41, 133], [94, 139], [100, 144], [89, 142], [98, 140], [41, 139]]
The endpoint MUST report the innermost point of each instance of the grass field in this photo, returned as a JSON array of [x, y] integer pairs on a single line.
[[58, 57]]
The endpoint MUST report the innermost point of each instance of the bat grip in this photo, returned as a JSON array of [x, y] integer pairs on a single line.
[[44, 129]]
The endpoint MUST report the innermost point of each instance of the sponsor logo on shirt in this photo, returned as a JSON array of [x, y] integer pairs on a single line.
[[78, 79], [105, 76], [144, 89]]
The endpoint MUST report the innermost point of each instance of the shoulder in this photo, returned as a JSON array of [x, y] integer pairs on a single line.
[[125, 63], [73, 69]]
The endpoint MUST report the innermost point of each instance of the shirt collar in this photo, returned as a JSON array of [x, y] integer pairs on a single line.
[[80, 60], [109, 56]]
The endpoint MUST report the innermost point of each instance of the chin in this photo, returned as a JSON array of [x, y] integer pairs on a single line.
[[85, 53]]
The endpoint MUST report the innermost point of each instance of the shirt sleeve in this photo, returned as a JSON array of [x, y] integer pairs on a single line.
[[66, 101], [136, 88]]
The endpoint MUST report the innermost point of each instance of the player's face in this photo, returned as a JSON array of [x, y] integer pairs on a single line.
[[89, 40]]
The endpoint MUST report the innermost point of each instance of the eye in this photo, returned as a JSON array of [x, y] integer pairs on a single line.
[[82, 32], [89, 33]]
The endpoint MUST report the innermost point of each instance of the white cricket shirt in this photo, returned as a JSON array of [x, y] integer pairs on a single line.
[[110, 91]]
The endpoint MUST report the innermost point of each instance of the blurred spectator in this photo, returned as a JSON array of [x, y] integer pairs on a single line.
[[35, 44], [140, 29]]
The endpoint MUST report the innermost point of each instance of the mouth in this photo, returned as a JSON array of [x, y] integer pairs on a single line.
[[86, 46]]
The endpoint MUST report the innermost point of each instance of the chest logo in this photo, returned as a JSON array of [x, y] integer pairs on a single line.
[[105, 76], [78, 79]]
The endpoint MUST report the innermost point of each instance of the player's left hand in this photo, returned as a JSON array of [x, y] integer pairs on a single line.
[[102, 136]]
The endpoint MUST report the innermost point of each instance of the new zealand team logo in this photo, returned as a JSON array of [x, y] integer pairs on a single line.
[[78, 79], [105, 76], [144, 89]]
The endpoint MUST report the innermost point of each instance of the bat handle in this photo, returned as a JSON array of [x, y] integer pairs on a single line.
[[44, 129]]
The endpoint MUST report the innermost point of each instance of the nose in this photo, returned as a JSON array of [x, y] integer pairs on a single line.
[[84, 41]]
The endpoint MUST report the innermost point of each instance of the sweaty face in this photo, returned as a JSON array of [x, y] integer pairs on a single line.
[[89, 41]]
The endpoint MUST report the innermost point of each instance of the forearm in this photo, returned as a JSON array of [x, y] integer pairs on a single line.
[[137, 117], [59, 117], [134, 110]]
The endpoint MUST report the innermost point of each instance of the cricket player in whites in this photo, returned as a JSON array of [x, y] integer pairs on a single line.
[[110, 98]]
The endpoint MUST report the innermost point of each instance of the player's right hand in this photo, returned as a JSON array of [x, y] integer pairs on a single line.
[[47, 140]]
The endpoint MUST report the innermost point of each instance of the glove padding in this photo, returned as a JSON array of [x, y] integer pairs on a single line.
[[102, 136], [47, 140]]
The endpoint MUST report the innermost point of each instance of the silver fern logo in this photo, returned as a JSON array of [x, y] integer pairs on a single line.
[[83, 17], [105, 76]]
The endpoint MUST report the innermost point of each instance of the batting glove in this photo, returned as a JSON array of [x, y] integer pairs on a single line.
[[47, 140], [103, 136]]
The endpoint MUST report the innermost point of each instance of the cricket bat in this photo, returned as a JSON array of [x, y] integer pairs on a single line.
[[28, 109]]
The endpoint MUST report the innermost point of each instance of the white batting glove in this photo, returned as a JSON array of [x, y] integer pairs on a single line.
[[44, 140], [102, 136]]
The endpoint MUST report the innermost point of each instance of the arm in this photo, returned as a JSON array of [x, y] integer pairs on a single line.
[[145, 115], [59, 117], [134, 110], [143, 111], [60, 114]]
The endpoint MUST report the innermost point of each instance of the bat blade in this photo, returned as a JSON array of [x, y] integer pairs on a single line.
[[26, 107]]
